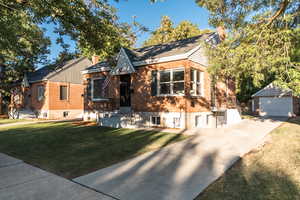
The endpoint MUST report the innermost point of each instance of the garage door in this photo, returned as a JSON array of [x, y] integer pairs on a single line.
[[276, 106]]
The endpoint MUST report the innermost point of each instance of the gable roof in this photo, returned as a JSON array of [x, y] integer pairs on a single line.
[[272, 90], [176, 50], [46, 72], [165, 50], [102, 66]]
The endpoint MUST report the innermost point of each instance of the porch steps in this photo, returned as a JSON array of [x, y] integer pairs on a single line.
[[26, 114], [121, 119]]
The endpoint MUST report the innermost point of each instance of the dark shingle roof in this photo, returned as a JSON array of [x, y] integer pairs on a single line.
[[165, 50], [47, 71], [102, 66], [161, 50]]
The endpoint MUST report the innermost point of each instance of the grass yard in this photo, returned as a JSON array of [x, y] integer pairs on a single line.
[[273, 173], [9, 121], [72, 149]]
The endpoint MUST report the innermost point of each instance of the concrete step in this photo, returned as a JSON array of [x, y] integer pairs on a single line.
[[26, 114]]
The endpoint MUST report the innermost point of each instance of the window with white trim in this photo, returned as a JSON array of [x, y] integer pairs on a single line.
[[171, 82], [40, 92], [96, 86], [155, 120], [197, 83]]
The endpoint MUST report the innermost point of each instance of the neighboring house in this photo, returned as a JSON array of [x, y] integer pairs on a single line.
[[164, 85], [52, 92], [275, 101]]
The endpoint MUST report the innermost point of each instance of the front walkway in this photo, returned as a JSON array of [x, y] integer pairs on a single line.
[[182, 170], [20, 181]]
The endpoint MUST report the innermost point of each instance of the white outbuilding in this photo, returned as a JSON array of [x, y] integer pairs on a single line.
[[275, 101]]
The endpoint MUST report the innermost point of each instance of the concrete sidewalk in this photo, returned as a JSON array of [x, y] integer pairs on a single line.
[[182, 170], [20, 181]]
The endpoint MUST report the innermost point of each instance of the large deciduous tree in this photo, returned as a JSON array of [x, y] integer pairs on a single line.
[[262, 43], [167, 32], [93, 24]]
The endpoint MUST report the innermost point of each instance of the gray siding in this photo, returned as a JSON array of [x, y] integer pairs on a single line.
[[199, 57], [72, 74]]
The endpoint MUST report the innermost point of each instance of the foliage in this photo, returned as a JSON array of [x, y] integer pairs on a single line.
[[168, 33], [262, 44], [22, 45], [93, 24]]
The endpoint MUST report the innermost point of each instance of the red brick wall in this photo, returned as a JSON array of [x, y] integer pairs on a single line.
[[52, 96], [35, 103], [74, 100], [225, 94], [142, 101], [113, 93]]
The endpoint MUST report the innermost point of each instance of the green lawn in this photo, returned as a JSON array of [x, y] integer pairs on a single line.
[[72, 149], [269, 174], [9, 121]]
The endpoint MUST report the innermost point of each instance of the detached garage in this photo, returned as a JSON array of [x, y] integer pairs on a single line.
[[275, 101]]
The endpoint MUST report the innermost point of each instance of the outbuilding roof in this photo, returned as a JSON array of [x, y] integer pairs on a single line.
[[273, 90]]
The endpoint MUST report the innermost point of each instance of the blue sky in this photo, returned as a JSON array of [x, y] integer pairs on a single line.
[[148, 14]]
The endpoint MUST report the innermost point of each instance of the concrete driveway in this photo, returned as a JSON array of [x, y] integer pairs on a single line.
[[182, 170], [20, 181]]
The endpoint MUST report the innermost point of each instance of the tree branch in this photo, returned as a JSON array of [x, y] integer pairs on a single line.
[[282, 7]]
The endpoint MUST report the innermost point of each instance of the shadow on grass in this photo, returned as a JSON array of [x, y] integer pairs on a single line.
[[252, 183], [72, 150]]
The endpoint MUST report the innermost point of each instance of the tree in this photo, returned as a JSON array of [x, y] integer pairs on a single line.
[[22, 45], [168, 33], [262, 44], [93, 24]]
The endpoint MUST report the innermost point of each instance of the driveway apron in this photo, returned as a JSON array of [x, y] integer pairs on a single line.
[[182, 170]]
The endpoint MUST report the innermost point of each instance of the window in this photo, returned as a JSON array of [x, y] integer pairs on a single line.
[[197, 78], [198, 121], [171, 82], [40, 92], [63, 92], [155, 120], [176, 122], [97, 88], [65, 114]]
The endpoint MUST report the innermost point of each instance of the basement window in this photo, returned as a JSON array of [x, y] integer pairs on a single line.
[[198, 121], [176, 122], [66, 113], [155, 120]]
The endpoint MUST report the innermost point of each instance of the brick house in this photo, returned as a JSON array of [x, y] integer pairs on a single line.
[[163, 85], [52, 92]]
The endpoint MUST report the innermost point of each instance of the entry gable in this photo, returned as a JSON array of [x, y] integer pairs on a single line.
[[124, 66]]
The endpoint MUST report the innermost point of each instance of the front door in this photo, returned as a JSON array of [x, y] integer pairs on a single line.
[[125, 82]]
